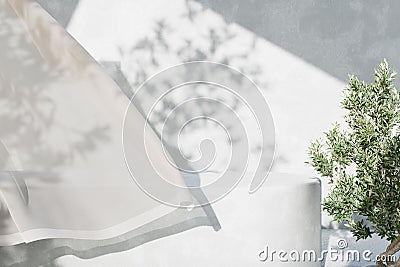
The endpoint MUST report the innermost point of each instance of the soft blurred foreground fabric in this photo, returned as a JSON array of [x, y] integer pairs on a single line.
[[61, 123]]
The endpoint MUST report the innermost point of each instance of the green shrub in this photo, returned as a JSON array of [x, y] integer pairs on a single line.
[[362, 160]]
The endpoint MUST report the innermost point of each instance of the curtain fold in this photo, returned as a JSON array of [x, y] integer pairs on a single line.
[[68, 190]]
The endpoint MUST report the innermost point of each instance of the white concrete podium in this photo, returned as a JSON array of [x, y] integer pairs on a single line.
[[282, 215]]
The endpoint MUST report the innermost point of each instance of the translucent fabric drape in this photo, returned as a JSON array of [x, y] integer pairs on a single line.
[[64, 185]]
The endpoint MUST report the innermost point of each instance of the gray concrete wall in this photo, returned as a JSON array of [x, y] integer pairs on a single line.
[[339, 37]]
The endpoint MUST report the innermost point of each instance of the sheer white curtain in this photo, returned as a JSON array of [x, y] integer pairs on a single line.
[[68, 190]]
